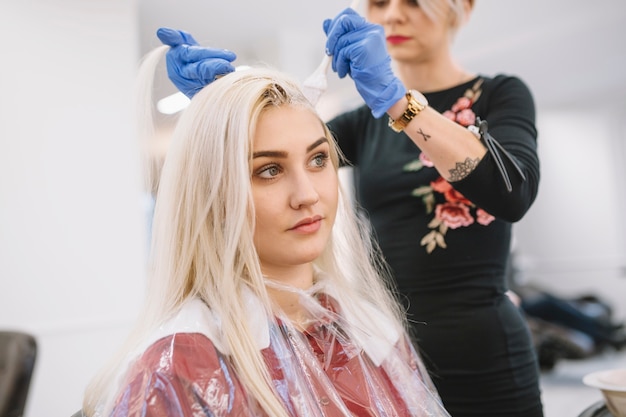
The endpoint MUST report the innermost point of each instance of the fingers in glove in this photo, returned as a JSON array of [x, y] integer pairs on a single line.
[[342, 60], [200, 53], [345, 22], [173, 37], [207, 71]]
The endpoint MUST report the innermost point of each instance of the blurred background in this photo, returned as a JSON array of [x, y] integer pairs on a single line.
[[74, 212]]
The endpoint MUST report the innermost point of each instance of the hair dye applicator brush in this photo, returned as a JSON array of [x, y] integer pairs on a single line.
[[317, 83]]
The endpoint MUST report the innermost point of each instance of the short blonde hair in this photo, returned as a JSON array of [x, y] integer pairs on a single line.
[[451, 10]]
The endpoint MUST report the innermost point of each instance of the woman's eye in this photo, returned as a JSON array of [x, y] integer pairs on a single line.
[[268, 172], [320, 160]]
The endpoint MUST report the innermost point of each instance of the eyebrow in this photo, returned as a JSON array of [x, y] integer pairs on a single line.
[[283, 154]]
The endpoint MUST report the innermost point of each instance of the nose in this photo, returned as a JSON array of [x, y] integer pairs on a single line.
[[304, 192], [394, 12]]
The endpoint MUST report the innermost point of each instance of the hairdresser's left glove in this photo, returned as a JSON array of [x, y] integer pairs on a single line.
[[191, 67], [359, 50]]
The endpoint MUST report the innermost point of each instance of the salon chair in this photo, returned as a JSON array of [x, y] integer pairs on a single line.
[[18, 352], [597, 409]]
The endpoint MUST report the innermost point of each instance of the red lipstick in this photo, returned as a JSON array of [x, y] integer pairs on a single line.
[[397, 39]]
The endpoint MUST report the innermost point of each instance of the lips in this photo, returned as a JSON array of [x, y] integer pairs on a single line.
[[308, 225], [397, 39]]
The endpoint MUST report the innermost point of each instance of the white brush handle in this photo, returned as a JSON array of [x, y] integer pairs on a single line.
[[315, 85], [325, 63], [327, 59]]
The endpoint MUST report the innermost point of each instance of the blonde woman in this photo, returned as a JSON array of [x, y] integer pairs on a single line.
[[265, 297]]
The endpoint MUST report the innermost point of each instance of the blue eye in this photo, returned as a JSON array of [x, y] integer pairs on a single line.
[[320, 160], [268, 171]]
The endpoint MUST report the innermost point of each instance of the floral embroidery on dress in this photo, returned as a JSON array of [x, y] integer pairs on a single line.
[[457, 211]]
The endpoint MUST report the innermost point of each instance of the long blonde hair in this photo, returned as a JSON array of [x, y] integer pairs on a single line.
[[202, 240]]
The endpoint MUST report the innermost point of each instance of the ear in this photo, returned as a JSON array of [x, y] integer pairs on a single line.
[[468, 6]]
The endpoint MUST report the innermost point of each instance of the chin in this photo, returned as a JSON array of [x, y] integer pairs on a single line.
[[307, 256]]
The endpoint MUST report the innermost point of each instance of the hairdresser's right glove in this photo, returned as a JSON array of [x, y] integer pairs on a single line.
[[190, 66], [359, 50]]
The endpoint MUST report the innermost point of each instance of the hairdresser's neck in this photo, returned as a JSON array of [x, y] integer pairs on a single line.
[[439, 73]]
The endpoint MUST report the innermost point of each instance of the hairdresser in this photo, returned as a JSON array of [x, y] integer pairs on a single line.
[[445, 162]]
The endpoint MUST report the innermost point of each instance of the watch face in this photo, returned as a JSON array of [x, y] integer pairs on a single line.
[[419, 97]]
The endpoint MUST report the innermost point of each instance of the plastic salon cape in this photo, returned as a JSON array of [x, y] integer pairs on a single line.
[[331, 369]]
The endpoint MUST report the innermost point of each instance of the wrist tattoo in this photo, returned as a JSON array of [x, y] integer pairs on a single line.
[[463, 169], [424, 135]]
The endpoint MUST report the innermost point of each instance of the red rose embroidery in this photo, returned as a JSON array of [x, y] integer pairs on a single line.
[[450, 115], [466, 117], [452, 196], [462, 103], [454, 215], [484, 218], [440, 185]]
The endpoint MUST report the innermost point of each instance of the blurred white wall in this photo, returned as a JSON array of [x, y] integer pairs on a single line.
[[573, 239], [72, 228]]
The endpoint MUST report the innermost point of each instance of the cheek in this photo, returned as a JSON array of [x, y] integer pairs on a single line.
[[262, 230], [264, 212], [331, 193]]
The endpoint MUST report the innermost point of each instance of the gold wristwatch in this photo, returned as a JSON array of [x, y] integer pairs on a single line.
[[417, 103]]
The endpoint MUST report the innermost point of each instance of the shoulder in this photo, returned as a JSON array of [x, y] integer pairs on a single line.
[[185, 362], [180, 343], [505, 96], [180, 355], [196, 317], [356, 116], [354, 128], [505, 84], [179, 370]]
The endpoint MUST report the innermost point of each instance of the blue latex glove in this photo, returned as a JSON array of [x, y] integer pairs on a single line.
[[190, 66], [359, 50]]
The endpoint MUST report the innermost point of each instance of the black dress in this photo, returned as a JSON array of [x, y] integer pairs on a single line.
[[448, 247]]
